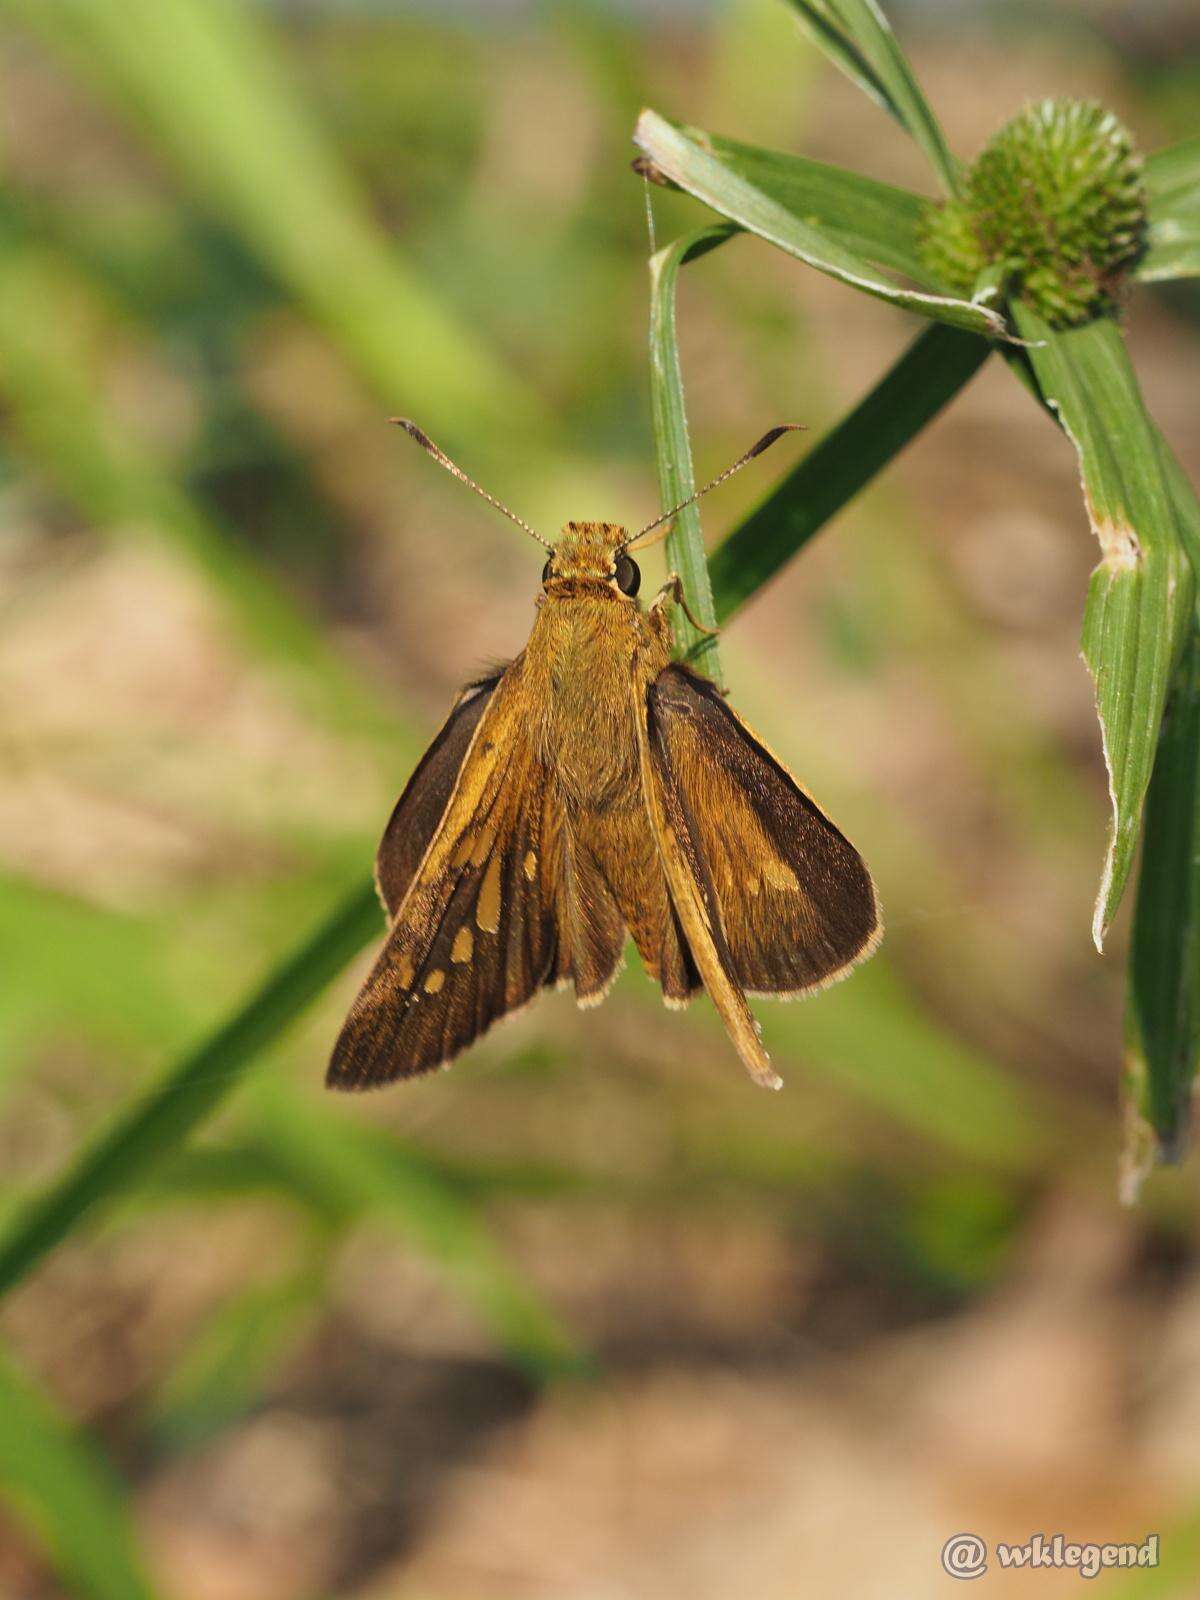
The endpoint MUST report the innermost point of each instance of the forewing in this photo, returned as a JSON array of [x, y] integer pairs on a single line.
[[474, 933], [794, 901], [421, 807], [694, 904]]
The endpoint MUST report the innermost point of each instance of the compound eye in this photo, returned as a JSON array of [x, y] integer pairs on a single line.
[[546, 570], [628, 575]]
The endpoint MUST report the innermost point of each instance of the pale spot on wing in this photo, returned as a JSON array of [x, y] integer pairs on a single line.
[[404, 972], [754, 885], [434, 981], [779, 875], [462, 853], [483, 847], [530, 865], [487, 912], [463, 947]]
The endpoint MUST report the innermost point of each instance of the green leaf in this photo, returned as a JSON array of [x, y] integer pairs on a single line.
[[856, 36], [1140, 596], [1163, 1010], [1172, 251], [1173, 190], [1173, 177], [874, 220], [1187, 507], [190, 1091], [67, 1496], [933, 369], [700, 169], [673, 450], [203, 78], [1163, 1007]]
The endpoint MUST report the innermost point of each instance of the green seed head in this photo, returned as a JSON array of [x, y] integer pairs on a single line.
[[1056, 201]]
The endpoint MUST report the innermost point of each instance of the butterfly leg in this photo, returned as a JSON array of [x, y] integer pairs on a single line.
[[672, 593]]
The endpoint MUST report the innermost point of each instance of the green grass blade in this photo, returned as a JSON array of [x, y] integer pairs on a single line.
[[1140, 596], [189, 1092], [673, 449], [66, 1495], [857, 37], [1163, 1006], [934, 368], [204, 81], [1173, 189], [1187, 507], [333, 1159], [874, 220], [826, 32], [719, 182]]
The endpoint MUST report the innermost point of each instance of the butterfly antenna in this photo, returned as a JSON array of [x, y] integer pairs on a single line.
[[765, 443], [444, 460]]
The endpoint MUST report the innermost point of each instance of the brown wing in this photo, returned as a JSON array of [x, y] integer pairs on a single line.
[[474, 933], [695, 906], [489, 893], [791, 902], [422, 805]]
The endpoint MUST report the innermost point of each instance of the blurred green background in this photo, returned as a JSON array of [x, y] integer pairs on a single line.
[[589, 1315]]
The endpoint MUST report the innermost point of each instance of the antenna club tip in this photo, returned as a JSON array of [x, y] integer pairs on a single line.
[[769, 438], [412, 430]]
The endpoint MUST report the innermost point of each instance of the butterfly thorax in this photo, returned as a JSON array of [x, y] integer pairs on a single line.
[[590, 645]]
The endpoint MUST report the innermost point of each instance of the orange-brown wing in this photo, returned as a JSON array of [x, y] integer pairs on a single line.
[[791, 901], [474, 934], [694, 903], [421, 807]]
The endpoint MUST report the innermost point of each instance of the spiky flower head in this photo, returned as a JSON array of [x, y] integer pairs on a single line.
[[1056, 203]]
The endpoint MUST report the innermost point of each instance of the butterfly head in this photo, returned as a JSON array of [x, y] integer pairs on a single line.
[[593, 551]]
